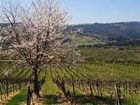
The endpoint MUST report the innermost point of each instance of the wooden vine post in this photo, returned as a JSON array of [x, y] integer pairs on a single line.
[[118, 93]]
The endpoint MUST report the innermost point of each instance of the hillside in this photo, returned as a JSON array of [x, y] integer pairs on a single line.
[[109, 32]]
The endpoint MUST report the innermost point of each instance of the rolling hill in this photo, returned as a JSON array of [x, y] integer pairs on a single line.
[[108, 32]]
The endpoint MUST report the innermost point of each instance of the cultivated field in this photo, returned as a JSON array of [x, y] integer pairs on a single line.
[[107, 76]]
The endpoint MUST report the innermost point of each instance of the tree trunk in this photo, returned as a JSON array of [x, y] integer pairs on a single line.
[[36, 81]]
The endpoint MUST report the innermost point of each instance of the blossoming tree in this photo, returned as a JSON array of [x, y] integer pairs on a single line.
[[36, 34]]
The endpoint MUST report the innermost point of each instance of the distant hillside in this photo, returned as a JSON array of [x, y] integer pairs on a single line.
[[110, 32], [79, 40], [99, 34]]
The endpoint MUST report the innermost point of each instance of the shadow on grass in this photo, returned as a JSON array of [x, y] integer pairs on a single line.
[[50, 99], [94, 100], [80, 100]]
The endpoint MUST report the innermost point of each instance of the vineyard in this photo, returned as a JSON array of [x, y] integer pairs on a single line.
[[88, 83], [84, 87], [15, 82]]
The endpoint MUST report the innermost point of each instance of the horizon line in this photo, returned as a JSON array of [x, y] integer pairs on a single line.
[[104, 22]]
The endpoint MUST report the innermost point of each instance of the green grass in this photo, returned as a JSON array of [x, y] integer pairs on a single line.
[[19, 98], [50, 91]]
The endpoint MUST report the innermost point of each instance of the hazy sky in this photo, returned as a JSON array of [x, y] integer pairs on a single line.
[[101, 11]]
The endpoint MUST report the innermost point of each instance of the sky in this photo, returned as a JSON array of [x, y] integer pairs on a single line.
[[100, 11]]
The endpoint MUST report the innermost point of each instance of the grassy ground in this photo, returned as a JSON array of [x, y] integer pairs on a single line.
[[19, 98], [50, 91]]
